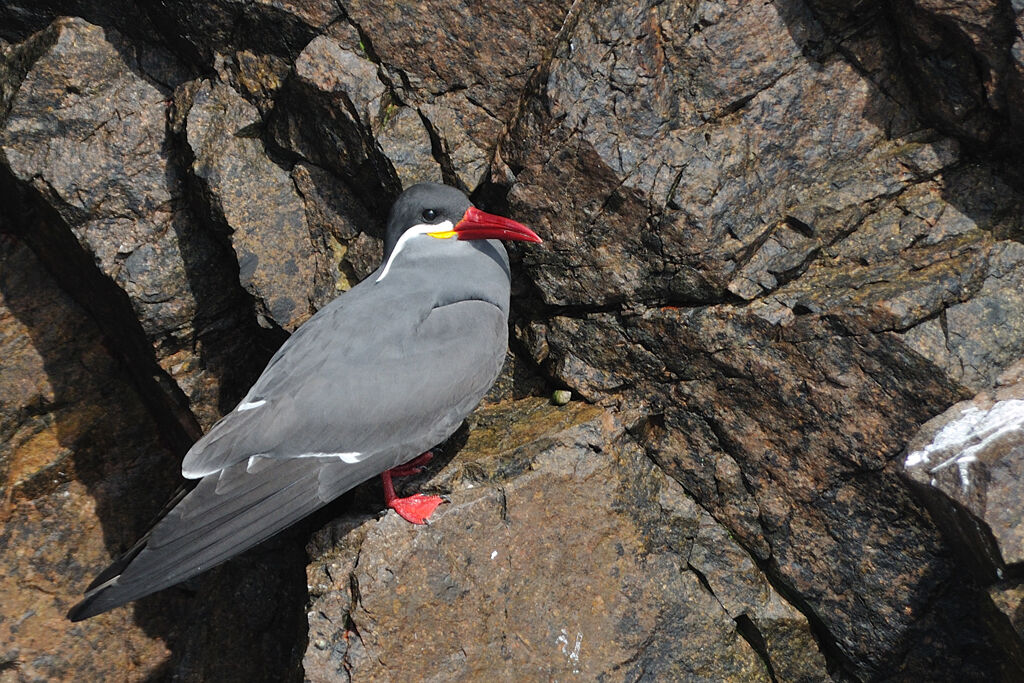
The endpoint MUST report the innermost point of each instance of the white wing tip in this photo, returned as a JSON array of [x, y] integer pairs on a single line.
[[194, 474]]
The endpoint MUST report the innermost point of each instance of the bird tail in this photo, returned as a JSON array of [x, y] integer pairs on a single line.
[[225, 514], [127, 556]]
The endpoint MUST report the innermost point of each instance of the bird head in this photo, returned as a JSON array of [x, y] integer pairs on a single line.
[[433, 211]]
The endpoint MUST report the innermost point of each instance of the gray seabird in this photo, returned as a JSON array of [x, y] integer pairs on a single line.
[[384, 372]]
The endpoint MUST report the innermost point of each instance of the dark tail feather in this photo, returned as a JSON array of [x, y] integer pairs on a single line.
[[206, 528], [120, 563]]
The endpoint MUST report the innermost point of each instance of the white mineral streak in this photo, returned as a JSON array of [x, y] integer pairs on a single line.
[[976, 431]]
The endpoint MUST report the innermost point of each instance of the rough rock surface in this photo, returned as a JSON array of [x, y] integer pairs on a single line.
[[968, 463], [257, 201], [528, 501], [781, 238], [69, 427]]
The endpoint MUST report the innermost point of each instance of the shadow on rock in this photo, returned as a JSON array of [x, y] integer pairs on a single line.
[[82, 447], [102, 419]]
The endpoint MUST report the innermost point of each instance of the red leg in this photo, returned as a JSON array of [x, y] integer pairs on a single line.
[[415, 508], [414, 466]]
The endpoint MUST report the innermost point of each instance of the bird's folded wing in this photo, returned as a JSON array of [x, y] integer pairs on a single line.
[[363, 387], [411, 400]]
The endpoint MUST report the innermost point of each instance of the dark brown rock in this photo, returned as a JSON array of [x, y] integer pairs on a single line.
[[779, 238], [969, 464], [779, 632], [92, 184], [669, 198], [463, 66], [406, 142], [256, 200], [76, 447], [84, 472], [200, 30], [706, 233], [88, 134], [484, 49], [740, 423], [336, 94], [346, 240], [258, 77], [957, 54], [1009, 599], [464, 160], [101, 171]]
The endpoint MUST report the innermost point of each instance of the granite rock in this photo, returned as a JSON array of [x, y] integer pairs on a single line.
[[76, 444], [780, 238], [967, 462], [257, 202]]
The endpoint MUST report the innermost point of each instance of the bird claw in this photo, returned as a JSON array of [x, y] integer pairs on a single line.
[[416, 508]]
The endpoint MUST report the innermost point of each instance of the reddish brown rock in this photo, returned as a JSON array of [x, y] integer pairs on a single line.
[[76, 445], [83, 472], [618, 595]]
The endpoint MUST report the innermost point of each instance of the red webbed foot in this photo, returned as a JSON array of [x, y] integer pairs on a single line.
[[416, 508]]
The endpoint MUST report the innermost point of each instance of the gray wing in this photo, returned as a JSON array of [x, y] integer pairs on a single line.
[[260, 485], [363, 387]]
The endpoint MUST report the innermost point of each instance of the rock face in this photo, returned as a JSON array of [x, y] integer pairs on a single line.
[[781, 275], [569, 551], [968, 465]]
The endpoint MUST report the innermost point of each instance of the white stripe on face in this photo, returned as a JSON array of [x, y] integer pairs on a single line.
[[414, 231]]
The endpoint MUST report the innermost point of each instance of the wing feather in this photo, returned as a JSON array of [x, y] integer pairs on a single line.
[[399, 411], [377, 397]]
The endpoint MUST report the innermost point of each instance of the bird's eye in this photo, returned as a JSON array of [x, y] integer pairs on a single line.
[[429, 214]]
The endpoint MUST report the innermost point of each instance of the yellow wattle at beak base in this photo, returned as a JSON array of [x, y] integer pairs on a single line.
[[442, 235]]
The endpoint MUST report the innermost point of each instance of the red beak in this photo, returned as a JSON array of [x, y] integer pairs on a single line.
[[480, 225]]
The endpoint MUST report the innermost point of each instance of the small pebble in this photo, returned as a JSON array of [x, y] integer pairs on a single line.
[[561, 396]]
